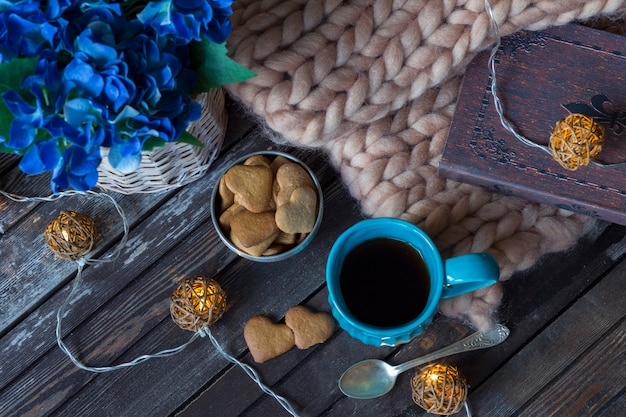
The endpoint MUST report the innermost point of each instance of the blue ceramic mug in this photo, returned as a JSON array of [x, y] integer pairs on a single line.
[[385, 279]]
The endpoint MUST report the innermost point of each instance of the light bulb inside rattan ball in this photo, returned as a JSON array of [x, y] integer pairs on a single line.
[[439, 389], [197, 303], [576, 140], [71, 235]]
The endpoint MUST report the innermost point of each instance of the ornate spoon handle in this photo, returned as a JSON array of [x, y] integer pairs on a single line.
[[478, 340]]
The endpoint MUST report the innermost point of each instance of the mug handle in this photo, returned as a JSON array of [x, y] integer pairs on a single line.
[[470, 272]]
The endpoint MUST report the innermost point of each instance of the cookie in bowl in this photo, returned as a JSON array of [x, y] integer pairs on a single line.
[[267, 206]]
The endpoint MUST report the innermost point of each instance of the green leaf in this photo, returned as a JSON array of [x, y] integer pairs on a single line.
[[187, 137], [153, 142], [13, 72], [11, 75], [213, 67], [6, 117], [5, 149]]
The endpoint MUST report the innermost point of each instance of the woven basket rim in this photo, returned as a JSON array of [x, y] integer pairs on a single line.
[[174, 164]]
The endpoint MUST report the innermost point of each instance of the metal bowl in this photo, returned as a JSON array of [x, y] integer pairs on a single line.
[[298, 247]]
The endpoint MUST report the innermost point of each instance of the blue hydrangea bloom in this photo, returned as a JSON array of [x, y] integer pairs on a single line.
[[78, 170], [102, 79], [186, 20], [43, 157], [46, 85], [24, 30], [27, 120]]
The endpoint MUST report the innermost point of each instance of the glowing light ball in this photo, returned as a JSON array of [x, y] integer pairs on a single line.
[[71, 235], [197, 303], [439, 389]]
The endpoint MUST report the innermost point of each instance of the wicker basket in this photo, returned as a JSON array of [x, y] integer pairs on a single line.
[[174, 164]]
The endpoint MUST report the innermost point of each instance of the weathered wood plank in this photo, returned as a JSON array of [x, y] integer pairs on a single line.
[[112, 321], [31, 272], [251, 287], [218, 400], [137, 258], [15, 182], [534, 290], [102, 338], [616, 407], [145, 244], [535, 368], [23, 257], [593, 380]]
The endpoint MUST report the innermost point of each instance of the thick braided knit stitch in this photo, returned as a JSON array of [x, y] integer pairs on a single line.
[[374, 84]]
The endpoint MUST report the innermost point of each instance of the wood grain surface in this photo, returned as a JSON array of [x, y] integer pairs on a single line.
[[564, 357]]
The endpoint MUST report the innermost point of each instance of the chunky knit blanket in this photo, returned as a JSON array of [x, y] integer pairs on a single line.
[[374, 83]]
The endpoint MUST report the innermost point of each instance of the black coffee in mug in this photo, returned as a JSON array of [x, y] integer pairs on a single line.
[[384, 282]]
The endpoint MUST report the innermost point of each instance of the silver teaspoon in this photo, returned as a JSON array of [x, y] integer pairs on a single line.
[[372, 378]]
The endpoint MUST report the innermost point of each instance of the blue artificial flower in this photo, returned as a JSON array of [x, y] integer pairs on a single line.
[[81, 157], [126, 156], [55, 8], [24, 30], [93, 43], [109, 85], [108, 75], [220, 27], [179, 109], [44, 156], [99, 5], [57, 126], [27, 120], [71, 153], [46, 84], [186, 20], [118, 88], [157, 67], [79, 111], [80, 74], [103, 23], [79, 170], [125, 146]]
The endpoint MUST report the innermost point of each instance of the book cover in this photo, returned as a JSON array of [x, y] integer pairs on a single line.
[[541, 78]]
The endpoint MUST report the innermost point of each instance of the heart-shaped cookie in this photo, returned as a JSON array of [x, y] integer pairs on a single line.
[[227, 216], [258, 160], [267, 340], [278, 162], [253, 228], [227, 196], [252, 186], [290, 176], [309, 328], [298, 214], [259, 249]]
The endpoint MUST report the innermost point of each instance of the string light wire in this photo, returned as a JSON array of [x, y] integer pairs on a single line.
[[206, 332], [70, 193], [110, 257], [102, 369], [77, 280], [249, 371], [497, 102]]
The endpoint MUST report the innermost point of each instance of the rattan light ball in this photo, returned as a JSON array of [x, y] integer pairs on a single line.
[[439, 389], [197, 303], [576, 140], [71, 235]]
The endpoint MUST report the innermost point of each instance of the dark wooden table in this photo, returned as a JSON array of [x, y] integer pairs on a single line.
[[565, 355]]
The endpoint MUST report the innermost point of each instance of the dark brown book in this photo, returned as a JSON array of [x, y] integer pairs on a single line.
[[541, 78]]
